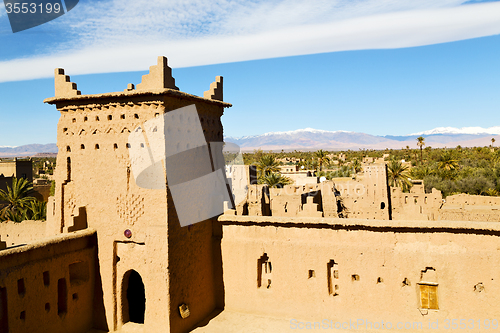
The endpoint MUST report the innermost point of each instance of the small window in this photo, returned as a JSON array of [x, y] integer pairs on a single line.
[[115, 146], [311, 274], [21, 290], [136, 116], [332, 277], [62, 297], [74, 120], [96, 118], [110, 117], [97, 146], [122, 116], [65, 129], [264, 270], [46, 278], [428, 296], [85, 118], [82, 146]]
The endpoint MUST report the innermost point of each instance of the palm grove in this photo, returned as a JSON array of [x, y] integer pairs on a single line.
[[473, 170]]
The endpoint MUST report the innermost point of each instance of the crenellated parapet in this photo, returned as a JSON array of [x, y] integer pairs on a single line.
[[159, 77], [63, 85], [215, 91]]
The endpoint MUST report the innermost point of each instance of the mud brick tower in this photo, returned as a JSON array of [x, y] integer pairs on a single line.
[[151, 271]]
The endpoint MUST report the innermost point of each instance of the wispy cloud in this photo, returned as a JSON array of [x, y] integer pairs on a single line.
[[126, 35]]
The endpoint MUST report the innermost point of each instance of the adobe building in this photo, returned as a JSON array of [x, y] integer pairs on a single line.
[[14, 168], [143, 251], [113, 256]]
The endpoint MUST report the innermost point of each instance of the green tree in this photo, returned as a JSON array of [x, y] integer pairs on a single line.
[[356, 165], [266, 165], [321, 157], [275, 180], [447, 161], [398, 175], [37, 210], [421, 143], [17, 200]]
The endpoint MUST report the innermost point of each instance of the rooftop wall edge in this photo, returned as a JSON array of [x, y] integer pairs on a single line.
[[39, 250], [441, 226], [120, 94]]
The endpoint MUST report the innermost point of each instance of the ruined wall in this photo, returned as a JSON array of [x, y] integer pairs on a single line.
[[416, 205], [366, 194], [257, 202], [295, 200], [350, 269], [466, 207], [17, 233], [48, 286]]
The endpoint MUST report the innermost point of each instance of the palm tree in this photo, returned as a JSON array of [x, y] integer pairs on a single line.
[[275, 180], [398, 175], [356, 165], [492, 141], [322, 157], [447, 162], [37, 210], [17, 200], [266, 165], [421, 143]]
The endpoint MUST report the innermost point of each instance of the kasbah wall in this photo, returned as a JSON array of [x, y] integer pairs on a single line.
[[302, 262]]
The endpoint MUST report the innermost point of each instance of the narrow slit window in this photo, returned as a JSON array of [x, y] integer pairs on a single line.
[[46, 278], [20, 287], [332, 269], [62, 297], [264, 270]]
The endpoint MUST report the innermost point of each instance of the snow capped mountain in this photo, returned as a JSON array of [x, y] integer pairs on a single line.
[[310, 138], [295, 132], [464, 130]]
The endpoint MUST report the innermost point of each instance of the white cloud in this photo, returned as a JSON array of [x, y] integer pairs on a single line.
[[190, 33]]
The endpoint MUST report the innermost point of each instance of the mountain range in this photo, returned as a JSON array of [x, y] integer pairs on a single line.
[[27, 150], [312, 139]]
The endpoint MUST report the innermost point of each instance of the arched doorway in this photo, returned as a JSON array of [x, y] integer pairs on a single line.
[[134, 298]]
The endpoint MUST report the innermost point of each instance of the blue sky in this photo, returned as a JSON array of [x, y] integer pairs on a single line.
[[374, 66]]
